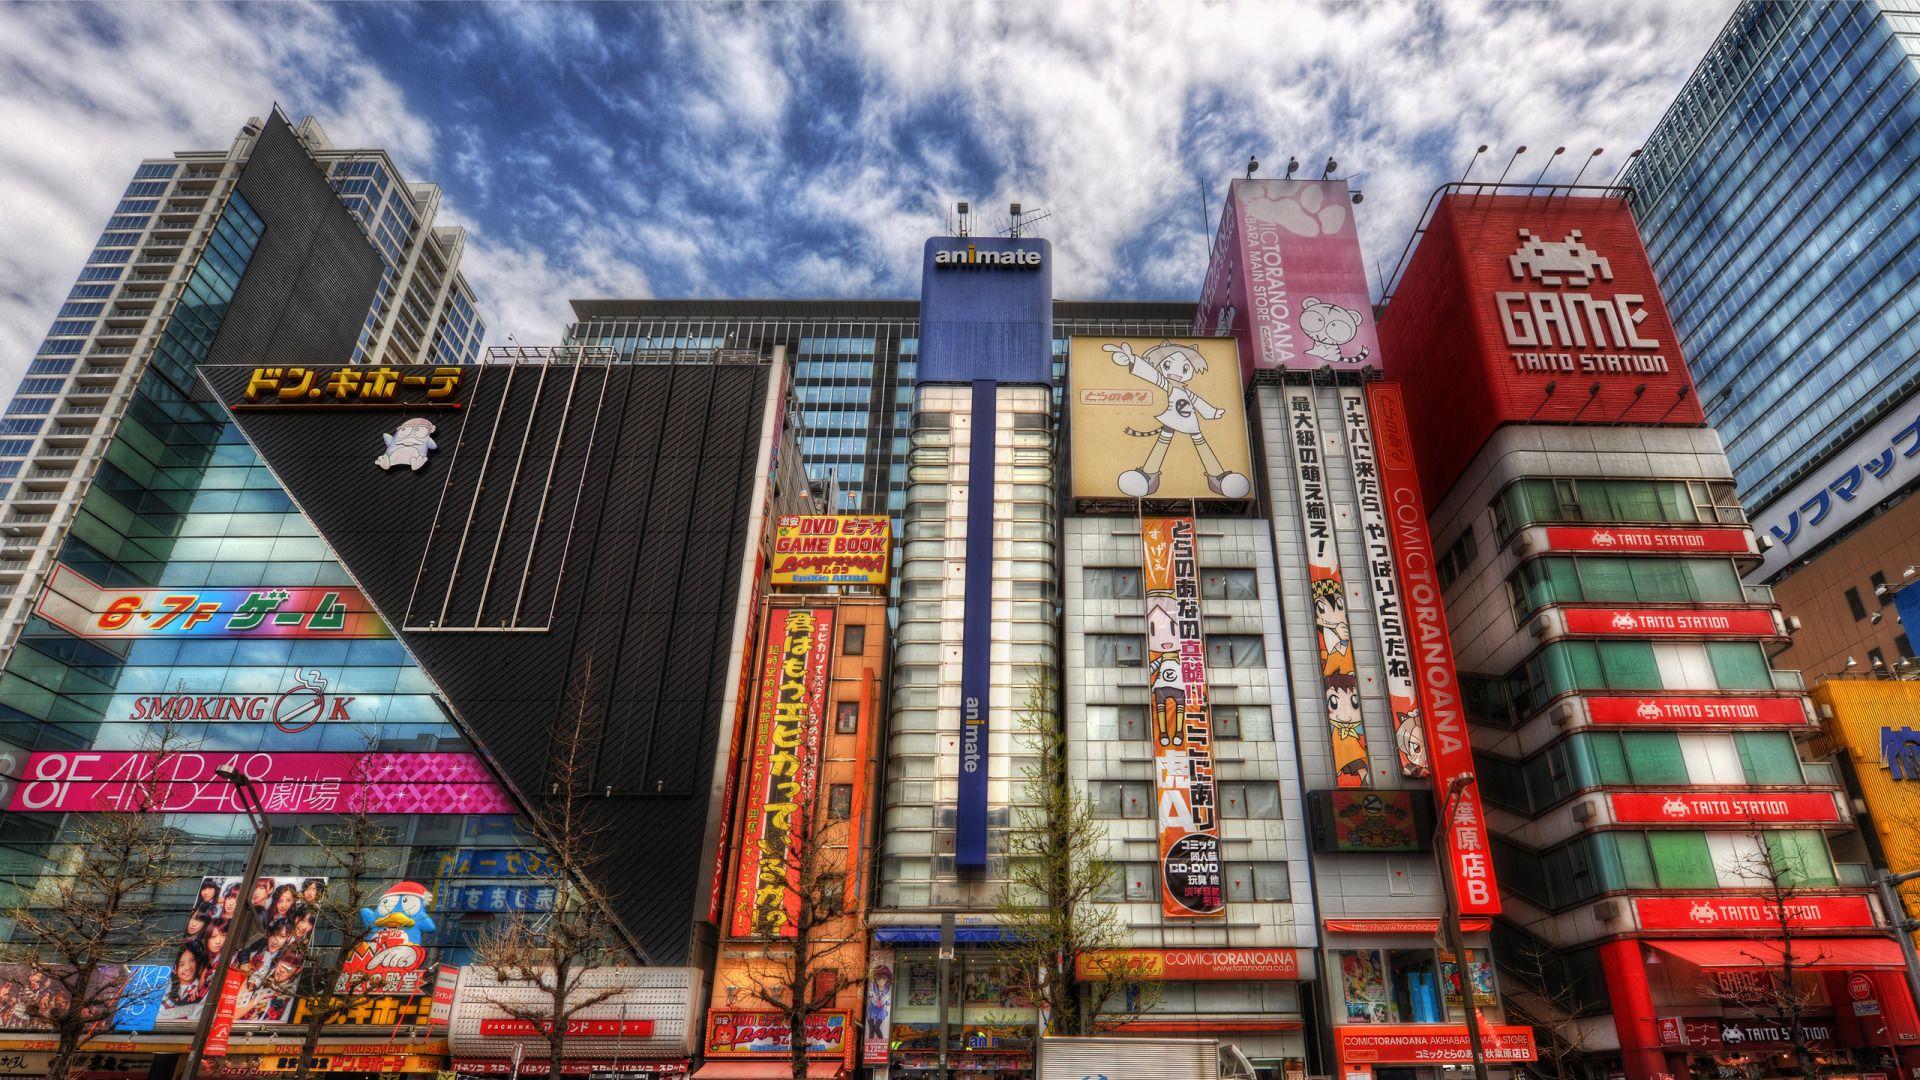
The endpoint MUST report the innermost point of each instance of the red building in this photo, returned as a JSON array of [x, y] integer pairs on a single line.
[[1682, 888]]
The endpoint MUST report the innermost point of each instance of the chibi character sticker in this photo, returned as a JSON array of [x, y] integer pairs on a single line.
[[1410, 736], [1330, 621], [1331, 327], [1343, 711], [409, 445], [1172, 368]]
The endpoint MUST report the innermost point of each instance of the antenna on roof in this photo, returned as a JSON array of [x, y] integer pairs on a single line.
[[1017, 220], [960, 210]]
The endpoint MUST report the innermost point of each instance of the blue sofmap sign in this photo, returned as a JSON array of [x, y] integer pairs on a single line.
[[986, 320]]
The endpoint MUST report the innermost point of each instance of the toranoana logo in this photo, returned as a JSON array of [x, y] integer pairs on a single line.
[[1004, 258]]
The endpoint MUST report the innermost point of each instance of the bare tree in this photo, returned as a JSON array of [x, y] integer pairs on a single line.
[[803, 975], [558, 950], [1541, 992], [1065, 949], [97, 909], [1775, 988]]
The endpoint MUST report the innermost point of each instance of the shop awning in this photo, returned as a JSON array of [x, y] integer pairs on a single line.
[[1813, 954], [930, 935], [765, 1070]]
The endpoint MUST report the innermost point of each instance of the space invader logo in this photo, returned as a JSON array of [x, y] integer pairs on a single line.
[[1568, 262]]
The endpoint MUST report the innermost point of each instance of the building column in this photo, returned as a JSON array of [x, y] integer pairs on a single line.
[[1626, 972]]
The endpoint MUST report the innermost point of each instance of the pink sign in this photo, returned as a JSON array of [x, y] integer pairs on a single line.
[[1287, 280], [68, 780]]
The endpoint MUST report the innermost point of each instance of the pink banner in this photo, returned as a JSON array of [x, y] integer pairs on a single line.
[[78, 780]]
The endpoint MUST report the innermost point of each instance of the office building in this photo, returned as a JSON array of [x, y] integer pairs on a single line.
[[1667, 845], [118, 313], [1780, 209]]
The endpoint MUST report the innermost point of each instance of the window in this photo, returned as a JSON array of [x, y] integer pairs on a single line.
[[832, 894], [1768, 757], [1739, 665], [1111, 582], [1110, 723], [1854, 605], [1119, 650], [1128, 881], [1903, 645], [1226, 722], [1229, 584], [1800, 857], [846, 717], [1250, 799], [1121, 798], [1457, 558], [853, 641], [1235, 651], [1681, 860], [1257, 881], [839, 802]]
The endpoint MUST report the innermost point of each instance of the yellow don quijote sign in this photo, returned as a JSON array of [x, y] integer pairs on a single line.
[[1157, 418], [828, 549]]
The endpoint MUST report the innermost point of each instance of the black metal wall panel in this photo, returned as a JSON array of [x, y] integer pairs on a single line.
[[652, 544]]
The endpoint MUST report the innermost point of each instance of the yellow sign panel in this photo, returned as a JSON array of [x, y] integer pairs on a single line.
[[378, 387], [824, 549], [1154, 418]]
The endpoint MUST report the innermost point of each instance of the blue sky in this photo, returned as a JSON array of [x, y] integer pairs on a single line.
[[795, 150]]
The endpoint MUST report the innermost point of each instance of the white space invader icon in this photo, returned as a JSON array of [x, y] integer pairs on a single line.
[[1569, 262]]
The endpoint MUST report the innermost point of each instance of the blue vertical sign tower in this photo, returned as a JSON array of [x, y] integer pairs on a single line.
[[986, 320]]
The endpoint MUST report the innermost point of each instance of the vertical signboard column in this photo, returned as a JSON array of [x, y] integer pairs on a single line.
[[1340, 686], [1190, 882], [976, 644], [1448, 746]]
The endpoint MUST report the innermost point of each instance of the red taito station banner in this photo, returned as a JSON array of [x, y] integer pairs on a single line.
[[1753, 622], [1751, 912], [1663, 541], [1781, 711], [1450, 752], [1684, 807], [1421, 1044]]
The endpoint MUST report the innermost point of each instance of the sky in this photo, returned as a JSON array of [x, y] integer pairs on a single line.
[[794, 150]]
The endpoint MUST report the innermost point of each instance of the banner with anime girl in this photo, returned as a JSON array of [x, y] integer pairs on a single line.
[[1190, 882], [1339, 685]]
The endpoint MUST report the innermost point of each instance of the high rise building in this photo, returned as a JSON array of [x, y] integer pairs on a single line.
[[1683, 885], [1781, 211], [122, 304]]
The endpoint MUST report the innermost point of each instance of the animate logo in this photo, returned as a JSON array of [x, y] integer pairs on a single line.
[[1556, 316], [971, 257]]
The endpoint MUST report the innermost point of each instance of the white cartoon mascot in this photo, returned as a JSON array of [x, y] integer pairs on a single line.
[[1172, 368], [1331, 326], [396, 930], [409, 445]]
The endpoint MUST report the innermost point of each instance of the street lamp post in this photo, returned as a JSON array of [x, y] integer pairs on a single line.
[[249, 801], [1903, 927], [1443, 853]]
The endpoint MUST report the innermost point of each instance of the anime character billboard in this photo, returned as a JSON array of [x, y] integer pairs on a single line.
[[1158, 419], [1187, 799]]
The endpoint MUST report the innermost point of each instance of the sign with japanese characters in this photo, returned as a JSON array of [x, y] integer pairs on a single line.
[[829, 549], [1339, 682], [1429, 1044], [1390, 616], [1676, 807], [1452, 753], [1850, 484], [1153, 418], [753, 1032], [88, 1065], [786, 761], [1716, 912], [1697, 622], [61, 781], [1189, 806], [353, 386], [1185, 965], [494, 862], [79, 606], [1716, 1033]]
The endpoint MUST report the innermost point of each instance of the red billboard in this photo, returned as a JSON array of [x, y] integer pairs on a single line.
[[1640, 539], [1518, 309], [1664, 711], [1694, 807], [1429, 1044], [1723, 912], [1698, 622], [1448, 748]]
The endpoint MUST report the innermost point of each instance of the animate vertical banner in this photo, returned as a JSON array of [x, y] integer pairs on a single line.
[[1190, 883], [976, 635], [1447, 742], [786, 761], [1409, 732], [1340, 686]]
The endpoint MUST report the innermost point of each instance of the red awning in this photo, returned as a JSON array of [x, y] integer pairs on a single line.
[[765, 1070], [1813, 954]]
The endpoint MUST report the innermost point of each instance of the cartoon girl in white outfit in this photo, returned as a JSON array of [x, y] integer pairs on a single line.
[[1171, 368]]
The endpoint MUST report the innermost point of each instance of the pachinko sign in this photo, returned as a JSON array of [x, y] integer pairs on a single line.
[[1390, 616], [60, 781], [786, 761], [747, 1032], [1190, 882], [1470, 856], [85, 609], [824, 549], [1340, 686]]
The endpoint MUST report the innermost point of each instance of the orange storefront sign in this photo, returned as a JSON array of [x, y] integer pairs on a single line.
[[1422, 1044], [1187, 965]]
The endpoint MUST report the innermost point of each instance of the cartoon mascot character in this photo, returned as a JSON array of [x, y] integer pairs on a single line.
[[396, 928]]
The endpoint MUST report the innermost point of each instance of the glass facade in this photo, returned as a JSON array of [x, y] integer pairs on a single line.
[[1780, 202]]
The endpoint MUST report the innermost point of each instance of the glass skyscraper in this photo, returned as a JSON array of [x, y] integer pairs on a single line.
[[1779, 199]]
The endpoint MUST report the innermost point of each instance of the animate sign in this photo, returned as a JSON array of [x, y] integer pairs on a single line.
[[995, 258], [1646, 541], [1750, 912], [1742, 622], [1566, 303], [1676, 807], [1631, 711], [353, 386], [822, 549]]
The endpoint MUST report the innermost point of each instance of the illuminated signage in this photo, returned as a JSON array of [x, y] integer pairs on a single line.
[[75, 604], [1715, 912], [352, 386], [1429, 1044], [1672, 807], [1184, 965], [975, 257], [823, 549], [1601, 622], [59, 781], [292, 710], [750, 1032], [1769, 711]]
